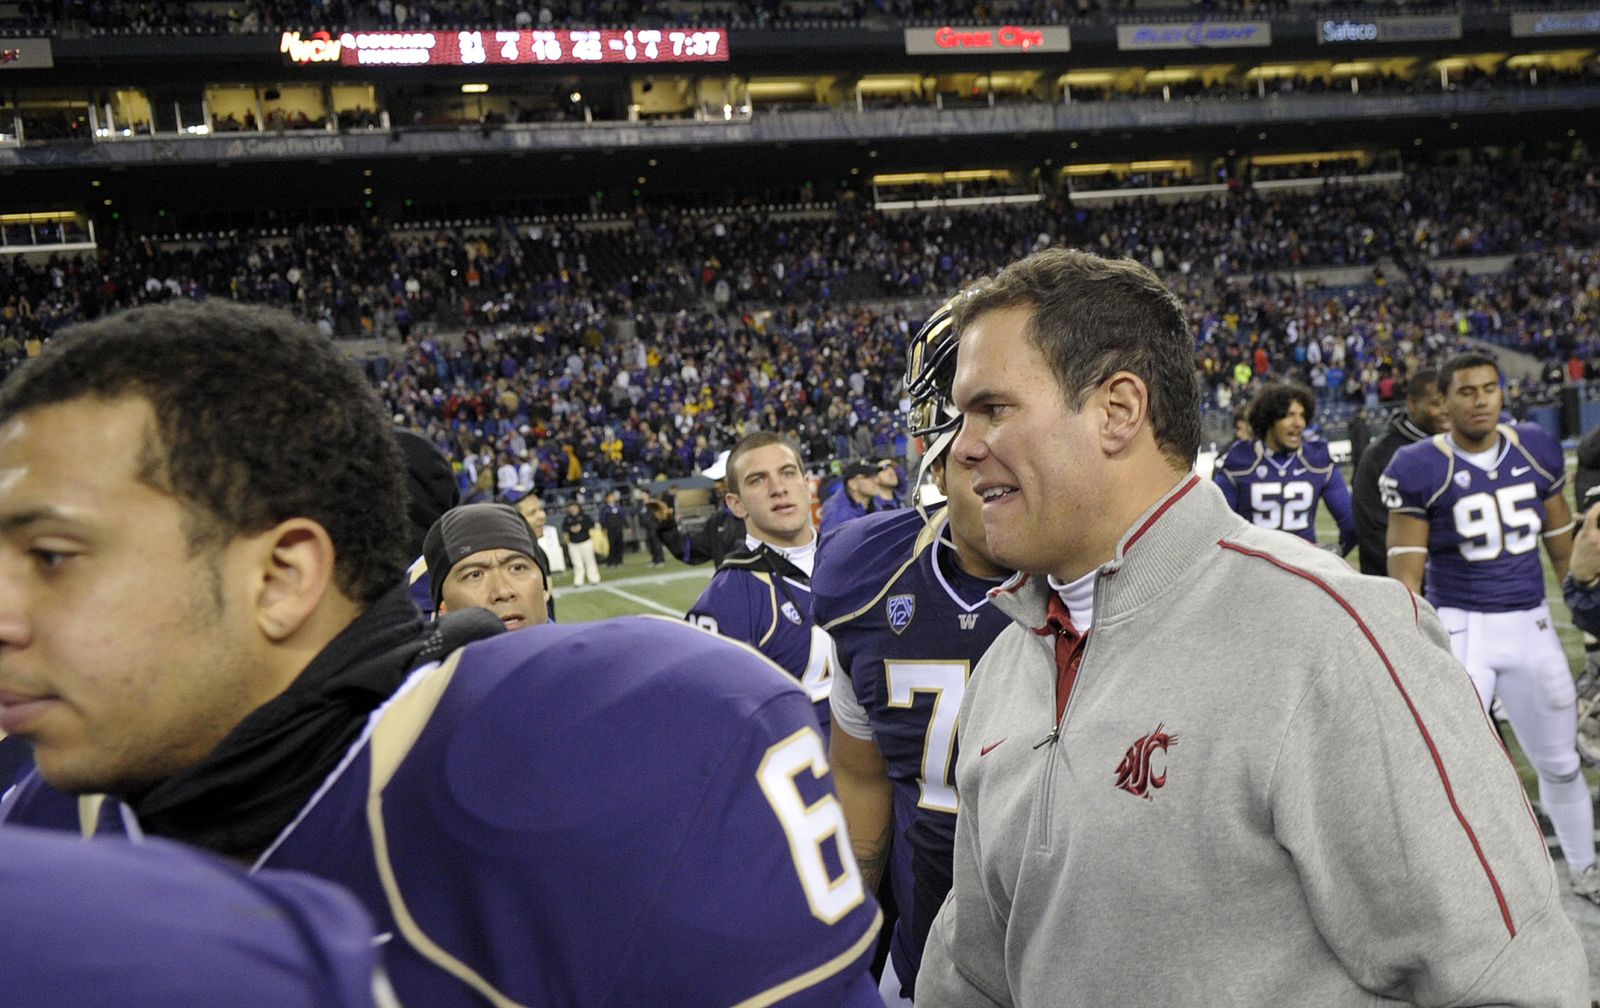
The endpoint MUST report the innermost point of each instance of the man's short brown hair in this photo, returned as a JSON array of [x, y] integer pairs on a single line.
[[1093, 317], [749, 443]]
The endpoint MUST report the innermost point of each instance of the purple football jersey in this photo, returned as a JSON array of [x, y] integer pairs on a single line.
[[622, 813], [1281, 491], [762, 600], [908, 627], [1483, 522]]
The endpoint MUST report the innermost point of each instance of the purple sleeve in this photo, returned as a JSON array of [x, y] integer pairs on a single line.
[[1337, 494], [160, 924]]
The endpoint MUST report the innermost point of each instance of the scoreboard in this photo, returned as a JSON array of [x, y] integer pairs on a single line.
[[508, 47]]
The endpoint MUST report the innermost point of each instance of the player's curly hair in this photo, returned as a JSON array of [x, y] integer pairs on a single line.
[[258, 419], [1272, 403], [1093, 317]]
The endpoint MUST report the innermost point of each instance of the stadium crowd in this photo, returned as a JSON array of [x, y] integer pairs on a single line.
[[640, 347], [269, 15]]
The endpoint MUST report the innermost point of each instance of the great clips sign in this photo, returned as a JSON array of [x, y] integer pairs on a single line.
[[1006, 39], [26, 54]]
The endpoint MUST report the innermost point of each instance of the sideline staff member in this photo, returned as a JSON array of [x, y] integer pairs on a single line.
[[1161, 804], [489, 559]]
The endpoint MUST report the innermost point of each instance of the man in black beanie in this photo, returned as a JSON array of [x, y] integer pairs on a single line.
[[483, 555]]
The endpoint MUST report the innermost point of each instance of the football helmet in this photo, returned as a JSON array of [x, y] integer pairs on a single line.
[[930, 368]]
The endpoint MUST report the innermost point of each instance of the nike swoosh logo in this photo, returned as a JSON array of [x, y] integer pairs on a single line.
[[1454, 632], [1518, 472], [986, 750], [1297, 472]]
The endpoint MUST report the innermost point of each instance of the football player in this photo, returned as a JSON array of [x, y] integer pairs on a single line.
[[904, 596], [1468, 509], [536, 817], [1276, 479], [762, 594]]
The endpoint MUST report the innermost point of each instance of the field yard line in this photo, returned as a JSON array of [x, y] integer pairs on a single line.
[[701, 572], [641, 600]]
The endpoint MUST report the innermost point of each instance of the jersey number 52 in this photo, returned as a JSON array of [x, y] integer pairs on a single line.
[[1284, 506]]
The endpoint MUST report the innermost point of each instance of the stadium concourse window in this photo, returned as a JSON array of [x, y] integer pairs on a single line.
[[45, 232]]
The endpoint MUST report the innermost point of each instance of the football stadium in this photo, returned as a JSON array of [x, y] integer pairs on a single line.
[[709, 295]]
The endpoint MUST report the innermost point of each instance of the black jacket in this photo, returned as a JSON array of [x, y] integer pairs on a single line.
[[722, 534], [1372, 518]]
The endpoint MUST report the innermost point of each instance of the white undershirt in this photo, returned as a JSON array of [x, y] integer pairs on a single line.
[[803, 557], [1079, 597], [1485, 460]]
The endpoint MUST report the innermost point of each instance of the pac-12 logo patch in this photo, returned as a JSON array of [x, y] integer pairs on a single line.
[[1463, 479], [1134, 774], [792, 614], [901, 608]]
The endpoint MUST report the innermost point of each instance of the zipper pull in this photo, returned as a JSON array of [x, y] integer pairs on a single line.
[[1048, 739]]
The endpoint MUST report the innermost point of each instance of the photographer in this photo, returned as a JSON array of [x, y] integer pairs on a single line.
[[1581, 590]]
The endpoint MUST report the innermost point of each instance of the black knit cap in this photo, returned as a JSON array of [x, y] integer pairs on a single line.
[[472, 528]]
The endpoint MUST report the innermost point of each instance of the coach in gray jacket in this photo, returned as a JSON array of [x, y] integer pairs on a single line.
[[1209, 764]]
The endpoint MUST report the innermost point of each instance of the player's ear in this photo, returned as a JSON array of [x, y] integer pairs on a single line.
[[736, 506], [294, 567], [1126, 401]]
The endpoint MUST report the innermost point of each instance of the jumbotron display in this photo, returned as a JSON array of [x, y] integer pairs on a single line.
[[507, 48]]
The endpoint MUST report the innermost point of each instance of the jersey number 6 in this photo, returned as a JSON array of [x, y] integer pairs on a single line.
[[809, 827]]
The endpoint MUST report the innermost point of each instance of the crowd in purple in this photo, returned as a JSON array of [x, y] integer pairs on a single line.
[[629, 349]]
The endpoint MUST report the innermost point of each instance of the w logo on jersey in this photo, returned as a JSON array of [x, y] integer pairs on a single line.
[[792, 614], [901, 608], [1133, 773], [968, 620]]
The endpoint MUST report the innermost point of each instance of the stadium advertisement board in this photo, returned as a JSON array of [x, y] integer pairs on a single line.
[[1571, 22], [948, 40], [1195, 35], [26, 54], [506, 48], [1389, 29]]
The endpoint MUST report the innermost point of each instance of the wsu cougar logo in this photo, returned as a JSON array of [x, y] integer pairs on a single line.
[[1133, 773]]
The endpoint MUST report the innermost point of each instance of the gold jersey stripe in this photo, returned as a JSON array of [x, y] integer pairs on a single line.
[[812, 977]]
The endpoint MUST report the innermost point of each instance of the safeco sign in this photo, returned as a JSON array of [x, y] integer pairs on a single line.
[[1005, 39]]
